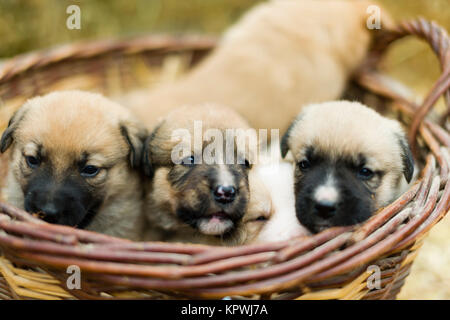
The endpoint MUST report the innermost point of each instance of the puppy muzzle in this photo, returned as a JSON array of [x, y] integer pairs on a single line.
[[66, 203]]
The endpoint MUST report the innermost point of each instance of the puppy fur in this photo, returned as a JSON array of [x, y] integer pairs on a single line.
[[277, 175], [73, 158], [280, 55], [349, 161], [181, 204]]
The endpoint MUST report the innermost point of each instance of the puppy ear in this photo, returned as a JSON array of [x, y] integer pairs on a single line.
[[407, 157], [7, 138], [285, 140], [134, 135], [147, 154], [147, 158], [8, 135]]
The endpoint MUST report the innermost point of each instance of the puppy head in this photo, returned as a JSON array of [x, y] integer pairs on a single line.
[[349, 161], [70, 151], [195, 180]]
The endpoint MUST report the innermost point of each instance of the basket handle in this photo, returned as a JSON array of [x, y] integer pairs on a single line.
[[437, 37]]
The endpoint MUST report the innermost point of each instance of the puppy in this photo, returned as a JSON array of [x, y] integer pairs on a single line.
[[72, 161], [277, 176], [349, 161], [284, 53], [197, 198], [260, 210]]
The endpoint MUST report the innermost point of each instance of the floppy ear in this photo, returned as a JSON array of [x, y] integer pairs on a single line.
[[147, 158], [285, 140], [407, 158], [284, 144], [134, 134], [147, 154], [7, 137]]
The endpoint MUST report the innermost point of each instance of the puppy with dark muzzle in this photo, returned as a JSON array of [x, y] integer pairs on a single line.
[[73, 156], [196, 199], [349, 161]]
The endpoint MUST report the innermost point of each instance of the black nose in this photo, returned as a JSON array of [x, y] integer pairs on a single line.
[[224, 194], [47, 211], [325, 210]]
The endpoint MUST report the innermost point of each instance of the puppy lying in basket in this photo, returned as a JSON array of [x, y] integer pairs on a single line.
[[348, 162], [72, 162], [280, 55], [191, 198]]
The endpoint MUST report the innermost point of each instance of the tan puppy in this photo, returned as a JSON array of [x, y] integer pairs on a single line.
[[72, 161], [349, 161], [197, 194], [280, 55]]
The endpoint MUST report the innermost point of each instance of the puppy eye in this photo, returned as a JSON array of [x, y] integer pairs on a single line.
[[261, 218], [365, 173], [89, 171], [32, 162], [304, 164], [188, 161]]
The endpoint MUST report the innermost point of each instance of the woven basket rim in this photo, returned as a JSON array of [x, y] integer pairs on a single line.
[[85, 49]]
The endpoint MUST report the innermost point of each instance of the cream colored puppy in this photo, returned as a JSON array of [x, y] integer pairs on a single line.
[[349, 161], [278, 178], [280, 55]]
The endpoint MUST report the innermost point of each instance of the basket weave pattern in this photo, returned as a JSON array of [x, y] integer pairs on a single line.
[[330, 265]]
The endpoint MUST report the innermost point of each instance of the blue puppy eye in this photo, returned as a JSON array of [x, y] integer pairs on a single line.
[[365, 173], [89, 171], [32, 162]]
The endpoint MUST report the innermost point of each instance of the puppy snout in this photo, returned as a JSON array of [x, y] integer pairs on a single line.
[[325, 209], [48, 211], [51, 213], [54, 203], [224, 194], [326, 198]]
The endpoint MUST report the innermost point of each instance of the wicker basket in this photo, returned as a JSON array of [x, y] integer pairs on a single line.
[[333, 264]]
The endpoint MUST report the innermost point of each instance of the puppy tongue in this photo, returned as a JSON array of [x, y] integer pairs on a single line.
[[216, 224], [215, 219]]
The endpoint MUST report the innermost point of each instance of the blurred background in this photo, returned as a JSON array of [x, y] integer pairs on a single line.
[[36, 24], [27, 25]]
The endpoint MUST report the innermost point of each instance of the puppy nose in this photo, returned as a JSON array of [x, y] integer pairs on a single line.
[[49, 211], [224, 194], [325, 209]]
